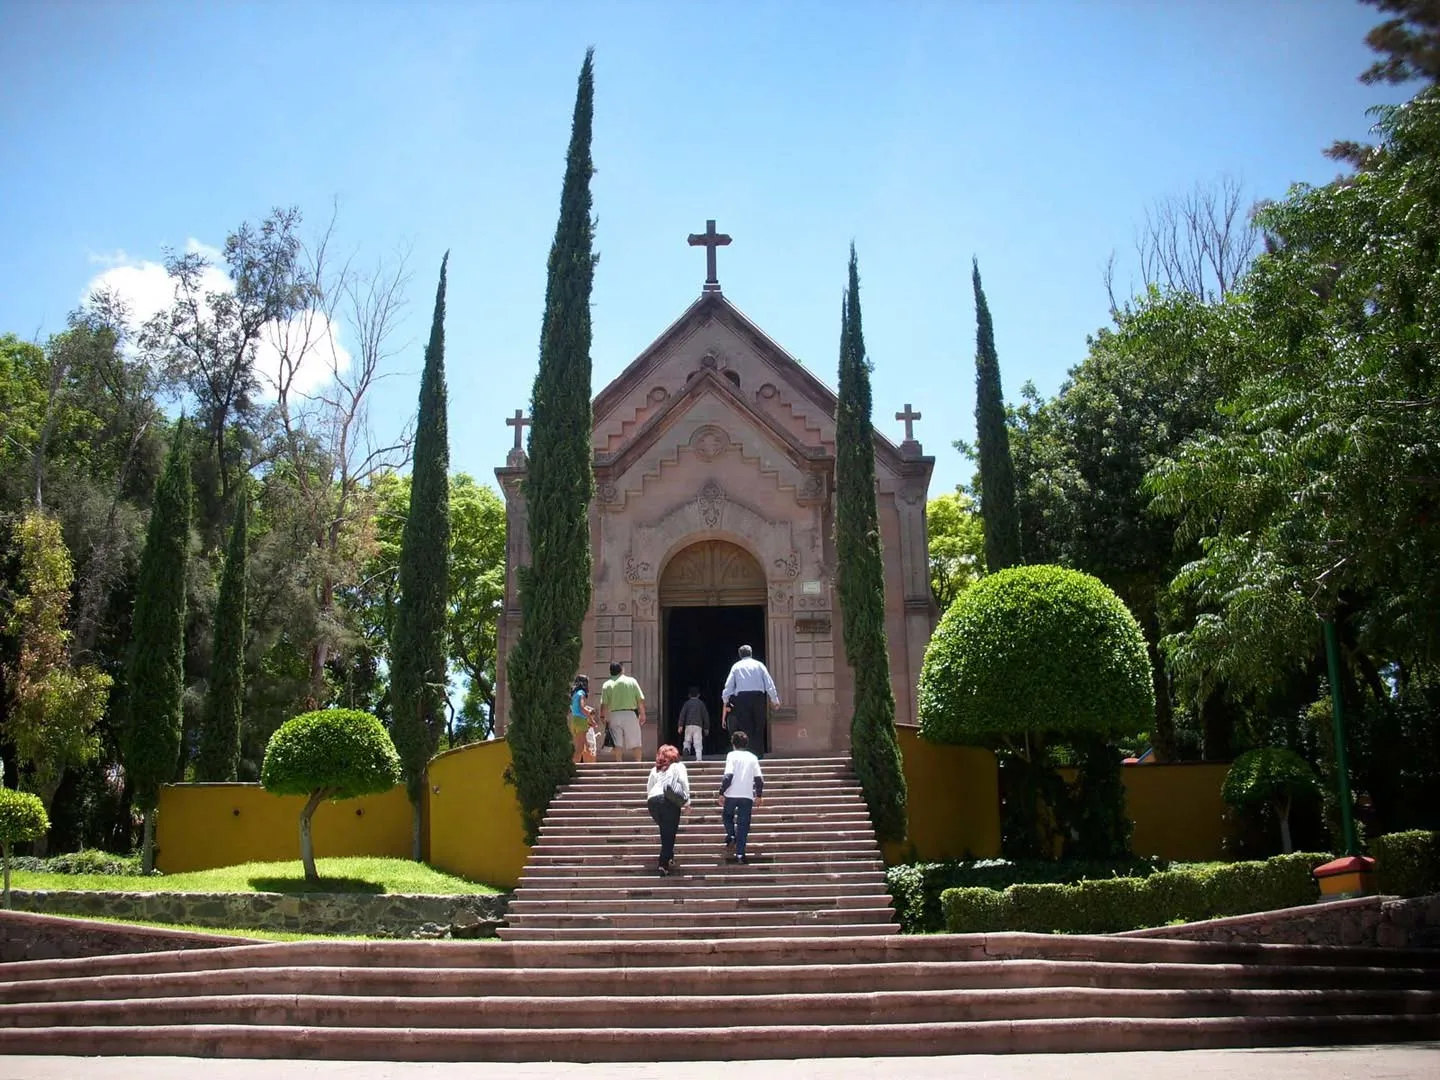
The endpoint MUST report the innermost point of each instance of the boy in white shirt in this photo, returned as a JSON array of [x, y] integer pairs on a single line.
[[740, 791]]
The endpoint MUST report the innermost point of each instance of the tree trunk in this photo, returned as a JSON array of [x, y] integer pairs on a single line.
[[47, 798], [1282, 810], [415, 846], [1162, 736], [6, 846], [307, 842], [147, 845]]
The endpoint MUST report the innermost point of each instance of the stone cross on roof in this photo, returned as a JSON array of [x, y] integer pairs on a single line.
[[519, 422], [709, 240], [908, 416]]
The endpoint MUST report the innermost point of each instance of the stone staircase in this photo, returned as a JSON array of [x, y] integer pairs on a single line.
[[814, 868], [694, 999]]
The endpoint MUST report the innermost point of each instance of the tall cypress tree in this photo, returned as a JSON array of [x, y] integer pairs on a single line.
[[219, 751], [873, 744], [157, 659], [420, 652], [998, 510], [555, 588]]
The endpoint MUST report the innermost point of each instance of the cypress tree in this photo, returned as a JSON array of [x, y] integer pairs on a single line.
[[157, 658], [555, 588], [873, 745], [998, 509], [219, 751], [420, 652]]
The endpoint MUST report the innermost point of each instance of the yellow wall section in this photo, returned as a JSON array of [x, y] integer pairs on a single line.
[[953, 798], [1177, 810], [201, 826], [475, 828]]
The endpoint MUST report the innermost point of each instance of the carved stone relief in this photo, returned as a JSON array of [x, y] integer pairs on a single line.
[[789, 566], [711, 504], [637, 570], [709, 442]]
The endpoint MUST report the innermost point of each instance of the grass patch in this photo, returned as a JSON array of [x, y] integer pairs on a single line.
[[222, 931], [362, 875]]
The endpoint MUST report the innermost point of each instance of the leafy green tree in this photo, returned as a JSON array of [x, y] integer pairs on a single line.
[[957, 546], [997, 471], [1031, 658], [1317, 495], [1274, 776], [419, 654], [219, 753], [328, 754], [22, 817], [874, 747], [555, 588], [156, 682], [56, 705]]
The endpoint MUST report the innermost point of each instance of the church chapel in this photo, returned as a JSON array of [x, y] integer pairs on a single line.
[[712, 527]]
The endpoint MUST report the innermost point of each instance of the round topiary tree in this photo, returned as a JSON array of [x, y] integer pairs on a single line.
[[1034, 656], [22, 817], [1270, 775], [328, 754]]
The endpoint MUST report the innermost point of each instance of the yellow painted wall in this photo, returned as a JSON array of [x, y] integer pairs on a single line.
[[1177, 810], [201, 826], [954, 801], [475, 827]]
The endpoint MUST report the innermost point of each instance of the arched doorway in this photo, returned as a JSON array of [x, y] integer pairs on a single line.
[[712, 601]]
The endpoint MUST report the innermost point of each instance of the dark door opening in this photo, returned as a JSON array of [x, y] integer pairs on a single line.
[[700, 646]]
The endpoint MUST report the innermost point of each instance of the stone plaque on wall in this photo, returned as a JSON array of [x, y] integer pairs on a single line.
[[812, 624]]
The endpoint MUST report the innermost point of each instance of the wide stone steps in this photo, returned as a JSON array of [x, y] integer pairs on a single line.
[[715, 999], [813, 865]]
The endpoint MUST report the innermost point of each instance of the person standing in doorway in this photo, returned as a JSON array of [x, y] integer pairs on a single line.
[[747, 689], [622, 710], [740, 791], [694, 724]]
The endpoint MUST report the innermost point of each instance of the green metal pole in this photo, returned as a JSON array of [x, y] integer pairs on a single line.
[[1342, 764]]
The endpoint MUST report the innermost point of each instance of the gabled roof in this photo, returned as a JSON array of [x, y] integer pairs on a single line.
[[677, 405], [713, 306]]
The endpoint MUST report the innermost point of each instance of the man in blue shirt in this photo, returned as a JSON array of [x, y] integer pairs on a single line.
[[747, 689]]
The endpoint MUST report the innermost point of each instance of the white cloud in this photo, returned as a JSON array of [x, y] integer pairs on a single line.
[[148, 290]]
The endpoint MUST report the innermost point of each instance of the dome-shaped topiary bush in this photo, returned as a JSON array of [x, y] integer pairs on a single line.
[[1036, 649], [329, 754], [22, 817]]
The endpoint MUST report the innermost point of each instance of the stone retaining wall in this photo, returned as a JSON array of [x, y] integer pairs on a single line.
[[379, 915], [24, 936], [1385, 921]]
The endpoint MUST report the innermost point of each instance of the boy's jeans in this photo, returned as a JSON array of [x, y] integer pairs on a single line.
[[737, 822], [694, 737]]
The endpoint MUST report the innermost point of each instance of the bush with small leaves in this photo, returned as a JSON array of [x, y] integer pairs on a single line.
[[328, 754], [22, 817], [1273, 775]]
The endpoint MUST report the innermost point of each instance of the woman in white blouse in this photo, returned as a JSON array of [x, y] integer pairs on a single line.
[[667, 792]]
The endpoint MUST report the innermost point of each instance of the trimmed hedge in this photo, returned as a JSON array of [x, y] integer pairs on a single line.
[[1108, 906], [1036, 649], [1408, 862], [916, 887]]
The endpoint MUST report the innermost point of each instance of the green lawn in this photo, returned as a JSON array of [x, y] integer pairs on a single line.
[[365, 875], [223, 931]]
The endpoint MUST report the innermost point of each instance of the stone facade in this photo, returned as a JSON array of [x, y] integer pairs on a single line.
[[715, 477], [369, 915]]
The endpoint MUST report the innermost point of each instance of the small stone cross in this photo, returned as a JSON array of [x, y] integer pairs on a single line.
[[710, 240], [908, 416], [520, 422]]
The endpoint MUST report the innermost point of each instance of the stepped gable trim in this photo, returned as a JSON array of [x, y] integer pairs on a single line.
[[716, 306], [674, 410]]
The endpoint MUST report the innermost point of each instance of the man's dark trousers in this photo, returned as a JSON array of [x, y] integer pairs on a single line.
[[748, 715]]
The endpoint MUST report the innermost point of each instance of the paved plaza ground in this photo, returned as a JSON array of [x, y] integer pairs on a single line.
[[1410, 1062]]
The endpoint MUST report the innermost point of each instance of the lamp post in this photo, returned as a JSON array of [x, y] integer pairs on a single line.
[[1352, 874]]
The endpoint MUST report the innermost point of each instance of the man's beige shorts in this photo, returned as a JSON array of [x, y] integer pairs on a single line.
[[625, 729]]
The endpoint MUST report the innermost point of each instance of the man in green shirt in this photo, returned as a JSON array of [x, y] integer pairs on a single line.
[[622, 708]]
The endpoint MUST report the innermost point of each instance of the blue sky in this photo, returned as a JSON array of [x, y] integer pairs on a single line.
[[1032, 135]]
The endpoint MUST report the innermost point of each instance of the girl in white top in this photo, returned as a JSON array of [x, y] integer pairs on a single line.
[[667, 791]]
